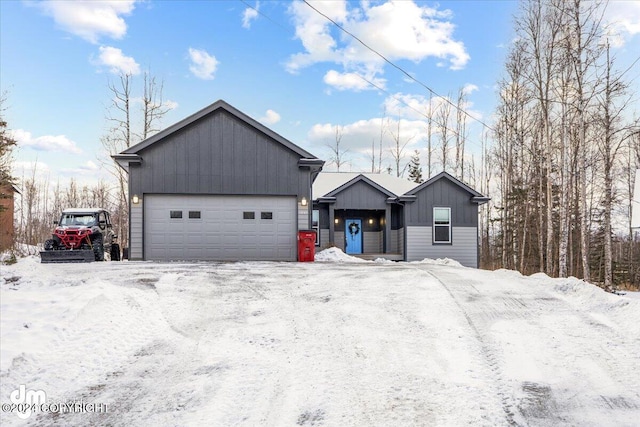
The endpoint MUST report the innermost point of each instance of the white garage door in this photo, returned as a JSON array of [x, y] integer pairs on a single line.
[[219, 228]]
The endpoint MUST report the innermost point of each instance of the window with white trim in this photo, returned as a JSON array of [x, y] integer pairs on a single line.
[[441, 225]]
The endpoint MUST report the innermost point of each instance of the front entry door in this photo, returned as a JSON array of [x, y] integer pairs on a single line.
[[353, 236]]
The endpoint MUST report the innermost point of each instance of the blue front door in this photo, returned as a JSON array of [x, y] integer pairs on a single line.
[[353, 236]]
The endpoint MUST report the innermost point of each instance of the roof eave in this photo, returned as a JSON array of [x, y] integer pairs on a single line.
[[124, 160]]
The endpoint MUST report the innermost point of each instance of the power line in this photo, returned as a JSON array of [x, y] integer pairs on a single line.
[[397, 67], [454, 132]]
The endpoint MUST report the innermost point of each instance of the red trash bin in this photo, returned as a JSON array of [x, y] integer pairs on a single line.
[[306, 245]]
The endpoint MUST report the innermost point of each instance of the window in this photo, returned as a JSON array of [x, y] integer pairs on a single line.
[[441, 225], [248, 215], [315, 224], [266, 215], [194, 214], [175, 214]]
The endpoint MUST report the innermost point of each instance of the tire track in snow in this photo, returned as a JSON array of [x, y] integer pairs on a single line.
[[529, 337], [487, 352]]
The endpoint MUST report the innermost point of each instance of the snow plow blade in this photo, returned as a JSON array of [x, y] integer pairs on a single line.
[[82, 255]]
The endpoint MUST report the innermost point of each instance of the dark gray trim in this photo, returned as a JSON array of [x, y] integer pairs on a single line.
[[326, 200], [354, 181], [445, 175], [125, 160]]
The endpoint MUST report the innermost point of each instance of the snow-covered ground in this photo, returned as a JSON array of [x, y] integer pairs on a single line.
[[333, 343]]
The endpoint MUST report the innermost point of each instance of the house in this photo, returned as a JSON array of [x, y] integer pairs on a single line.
[[220, 186], [375, 215], [217, 185], [7, 231]]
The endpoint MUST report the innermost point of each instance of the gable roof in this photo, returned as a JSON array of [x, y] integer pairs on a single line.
[[218, 105], [476, 197], [360, 178], [328, 183]]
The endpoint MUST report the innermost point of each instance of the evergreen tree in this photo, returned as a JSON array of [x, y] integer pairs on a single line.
[[415, 171]]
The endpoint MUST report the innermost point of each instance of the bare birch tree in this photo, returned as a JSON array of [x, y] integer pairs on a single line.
[[338, 153], [397, 149]]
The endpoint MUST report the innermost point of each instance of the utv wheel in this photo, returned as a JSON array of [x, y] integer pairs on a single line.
[[98, 249], [50, 245], [115, 252]]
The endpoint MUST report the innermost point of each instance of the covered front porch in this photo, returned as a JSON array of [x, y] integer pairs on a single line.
[[365, 233]]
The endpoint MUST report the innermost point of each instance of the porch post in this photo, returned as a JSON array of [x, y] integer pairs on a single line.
[[387, 228], [332, 224]]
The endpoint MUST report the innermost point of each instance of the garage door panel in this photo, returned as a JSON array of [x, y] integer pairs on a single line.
[[221, 232]]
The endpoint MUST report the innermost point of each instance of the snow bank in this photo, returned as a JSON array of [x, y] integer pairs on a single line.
[[335, 255], [622, 309], [440, 261]]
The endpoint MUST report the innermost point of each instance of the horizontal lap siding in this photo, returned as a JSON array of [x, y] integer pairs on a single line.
[[135, 232], [372, 242], [324, 237], [464, 248]]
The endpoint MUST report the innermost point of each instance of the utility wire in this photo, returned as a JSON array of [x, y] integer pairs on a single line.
[[454, 132], [397, 67]]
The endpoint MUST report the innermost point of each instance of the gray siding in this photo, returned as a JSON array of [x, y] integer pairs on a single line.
[[339, 236], [397, 241], [324, 238], [443, 193], [372, 242], [360, 196], [219, 154], [464, 247], [135, 231], [303, 217]]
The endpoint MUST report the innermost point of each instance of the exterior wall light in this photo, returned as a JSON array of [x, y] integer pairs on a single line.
[[135, 199], [370, 221], [336, 220], [303, 202]]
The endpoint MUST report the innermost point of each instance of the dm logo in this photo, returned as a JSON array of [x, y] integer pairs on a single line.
[[27, 400]]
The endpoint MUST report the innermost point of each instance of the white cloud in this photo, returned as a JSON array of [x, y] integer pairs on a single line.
[[469, 88], [249, 15], [351, 81], [88, 169], [45, 143], [397, 30], [166, 104], [27, 169], [270, 117], [624, 17], [203, 65], [90, 19], [116, 61], [171, 105]]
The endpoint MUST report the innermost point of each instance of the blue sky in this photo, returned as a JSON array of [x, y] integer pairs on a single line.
[[285, 65]]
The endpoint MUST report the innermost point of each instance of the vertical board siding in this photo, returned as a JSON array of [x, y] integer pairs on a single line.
[[219, 154], [464, 247], [361, 195], [443, 193], [135, 231]]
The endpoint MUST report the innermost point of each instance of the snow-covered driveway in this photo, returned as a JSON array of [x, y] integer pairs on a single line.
[[335, 344]]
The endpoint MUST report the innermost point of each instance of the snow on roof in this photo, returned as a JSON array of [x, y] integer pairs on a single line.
[[82, 210], [635, 203], [326, 182]]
